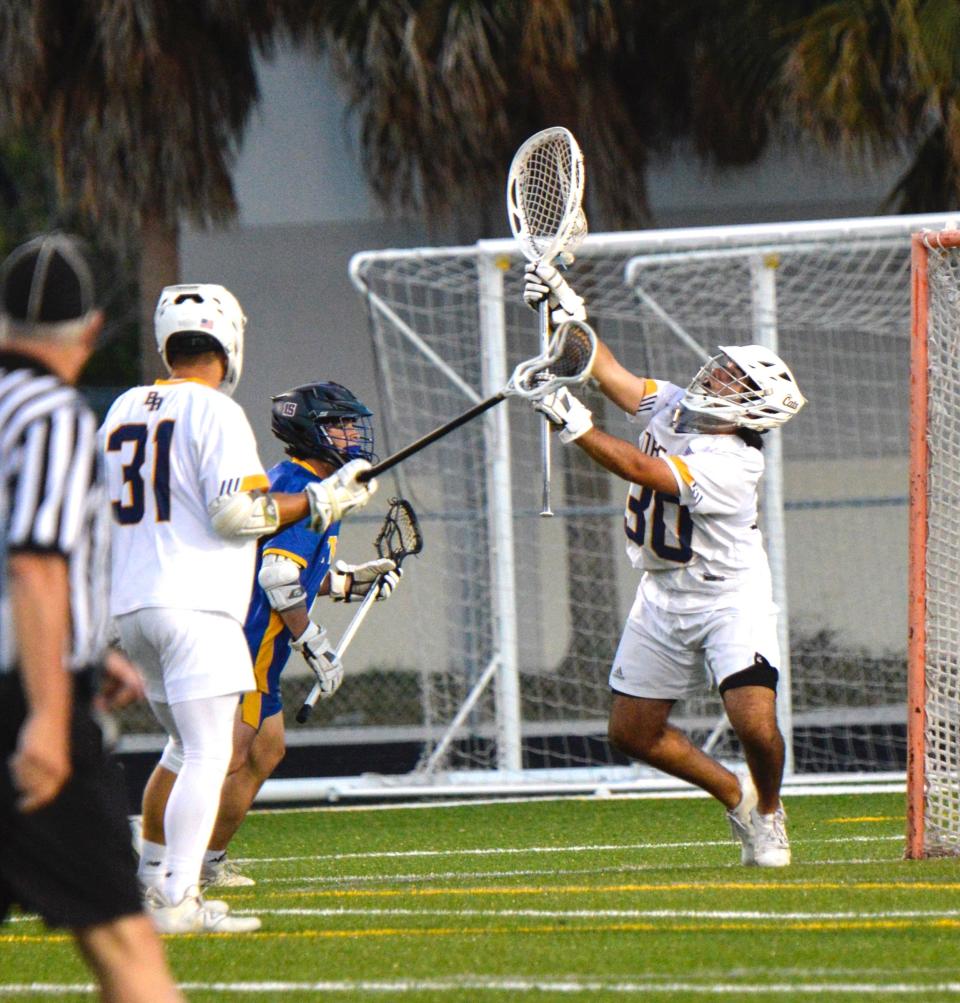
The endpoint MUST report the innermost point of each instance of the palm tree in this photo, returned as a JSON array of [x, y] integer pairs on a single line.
[[142, 107], [445, 91], [882, 77]]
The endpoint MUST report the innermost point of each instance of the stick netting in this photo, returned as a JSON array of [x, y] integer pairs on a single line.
[[942, 675], [546, 187]]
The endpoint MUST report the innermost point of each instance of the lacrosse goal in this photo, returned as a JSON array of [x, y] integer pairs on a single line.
[[519, 616], [933, 773]]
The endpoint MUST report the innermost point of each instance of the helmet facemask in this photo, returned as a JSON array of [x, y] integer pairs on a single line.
[[324, 421], [742, 387], [346, 439]]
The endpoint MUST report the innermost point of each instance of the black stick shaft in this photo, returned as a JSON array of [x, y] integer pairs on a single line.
[[430, 437]]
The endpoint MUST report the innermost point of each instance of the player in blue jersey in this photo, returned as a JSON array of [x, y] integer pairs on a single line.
[[323, 426]]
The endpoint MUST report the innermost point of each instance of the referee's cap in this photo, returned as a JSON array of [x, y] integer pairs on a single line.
[[45, 281]]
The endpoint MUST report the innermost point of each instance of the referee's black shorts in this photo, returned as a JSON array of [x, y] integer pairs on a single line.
[[71, 861]]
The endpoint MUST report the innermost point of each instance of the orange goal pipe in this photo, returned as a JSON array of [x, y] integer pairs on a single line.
[[917, 562]]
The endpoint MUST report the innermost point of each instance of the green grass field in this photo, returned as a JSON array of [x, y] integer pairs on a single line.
[[600, 899]]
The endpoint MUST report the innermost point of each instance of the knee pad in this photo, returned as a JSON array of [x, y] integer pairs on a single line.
[[761, 673], [172, 756]]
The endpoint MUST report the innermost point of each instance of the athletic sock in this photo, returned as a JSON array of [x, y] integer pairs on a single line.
[[152, 858]]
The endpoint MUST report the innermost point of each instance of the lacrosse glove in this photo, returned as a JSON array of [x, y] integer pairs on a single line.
[[332, 498], [564, 411], [321, 657], [350, 581], [543, 282]]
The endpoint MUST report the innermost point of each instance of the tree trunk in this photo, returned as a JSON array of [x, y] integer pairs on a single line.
[[159, 267]]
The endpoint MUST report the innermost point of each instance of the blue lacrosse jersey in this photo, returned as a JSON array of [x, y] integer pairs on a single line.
[[267, 636]]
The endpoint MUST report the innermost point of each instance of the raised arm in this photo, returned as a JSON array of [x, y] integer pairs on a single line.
[[616, 382], [575, 424]]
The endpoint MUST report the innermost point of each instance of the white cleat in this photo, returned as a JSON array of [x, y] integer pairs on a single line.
[[741, 821], [193, 915], [224, 873], [771, 845]]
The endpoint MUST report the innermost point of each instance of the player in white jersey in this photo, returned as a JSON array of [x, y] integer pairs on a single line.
[[704, 600], [190, 498]]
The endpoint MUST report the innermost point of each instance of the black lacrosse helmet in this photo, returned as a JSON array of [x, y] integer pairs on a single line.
[[304, 417]]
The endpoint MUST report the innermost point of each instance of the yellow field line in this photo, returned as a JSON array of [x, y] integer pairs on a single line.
[[607, 889], [798, 926], [865, 818]]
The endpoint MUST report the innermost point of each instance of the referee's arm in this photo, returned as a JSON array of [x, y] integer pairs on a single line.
[[39, 600]]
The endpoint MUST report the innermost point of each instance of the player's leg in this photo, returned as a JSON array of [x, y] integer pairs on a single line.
[[217, 868], [138, 635], [205, 664], [265, 751], [639, 728], [742, 654], [152, 863], [752, 713], [657, 664], [258, 746], [127, 957], [205, 726]]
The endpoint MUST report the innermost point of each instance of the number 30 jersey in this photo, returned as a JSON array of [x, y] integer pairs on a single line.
[[169, 450], [701, 545]]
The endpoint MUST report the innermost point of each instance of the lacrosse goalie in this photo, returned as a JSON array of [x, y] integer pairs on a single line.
[[705, 596], [190, 499], [323, 427]]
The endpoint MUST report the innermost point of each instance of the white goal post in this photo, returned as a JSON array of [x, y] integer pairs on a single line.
[[933, 766]]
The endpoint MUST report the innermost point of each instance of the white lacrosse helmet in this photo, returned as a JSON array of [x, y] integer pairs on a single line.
[[745, 386], [205, 310]]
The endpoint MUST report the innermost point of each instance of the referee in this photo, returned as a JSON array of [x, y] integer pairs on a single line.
[[64, 839]]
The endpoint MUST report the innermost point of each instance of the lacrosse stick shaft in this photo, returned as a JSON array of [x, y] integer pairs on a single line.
[[545, 509], [342, 645], [430, 437]]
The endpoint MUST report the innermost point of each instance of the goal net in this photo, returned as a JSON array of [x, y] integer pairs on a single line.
[[933, 777]]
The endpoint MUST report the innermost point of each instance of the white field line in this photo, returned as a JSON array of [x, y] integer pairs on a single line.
[[526, 984], [495, 851], [791, 789], [341, 880], [613, 913]]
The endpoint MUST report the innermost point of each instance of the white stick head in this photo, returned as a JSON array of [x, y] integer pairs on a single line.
[[544, 194]]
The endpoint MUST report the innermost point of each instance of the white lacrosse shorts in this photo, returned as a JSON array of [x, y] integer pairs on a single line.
[[669, 656], [186, 654]]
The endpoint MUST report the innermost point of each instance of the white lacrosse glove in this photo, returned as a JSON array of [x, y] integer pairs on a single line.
[[349, 581], [543, 282], [332, 498], [563, 410], [321, 657]]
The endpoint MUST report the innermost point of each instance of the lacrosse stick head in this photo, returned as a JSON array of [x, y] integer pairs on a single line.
[[566, 362], [400, 534], [544, 195]]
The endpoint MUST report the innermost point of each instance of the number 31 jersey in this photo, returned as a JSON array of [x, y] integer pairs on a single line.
[[702, 545], [169, 450]]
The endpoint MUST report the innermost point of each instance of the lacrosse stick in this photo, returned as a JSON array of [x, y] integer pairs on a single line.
[[544, 197], [399, 537], [567, 361]]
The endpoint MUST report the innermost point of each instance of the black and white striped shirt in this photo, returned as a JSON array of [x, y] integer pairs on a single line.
[[52, 499]]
